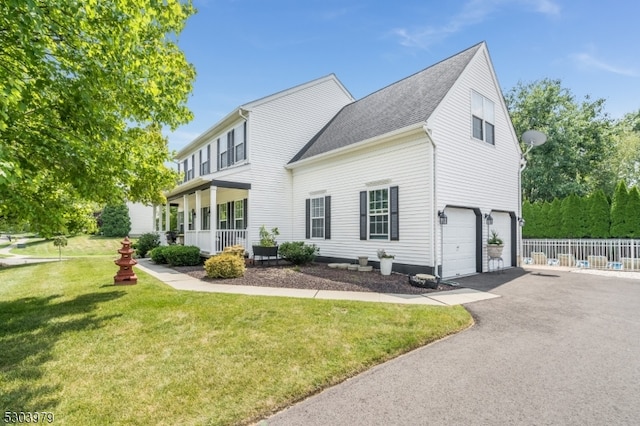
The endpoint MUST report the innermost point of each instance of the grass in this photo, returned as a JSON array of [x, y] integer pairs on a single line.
[[80, 245], [93, 353]]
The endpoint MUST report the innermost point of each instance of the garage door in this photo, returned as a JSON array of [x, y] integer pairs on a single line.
[[502, 225], [459, 243]]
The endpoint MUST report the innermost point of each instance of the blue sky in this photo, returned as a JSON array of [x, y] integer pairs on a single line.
[[246, 49]]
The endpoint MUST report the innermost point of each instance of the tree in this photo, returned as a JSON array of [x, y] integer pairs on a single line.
[[625, 162], [619, 211], [115, 221], [60, 241], [571, 220], [579, 140], [87, 87], [632, 210], [599, 215], [554, 219]]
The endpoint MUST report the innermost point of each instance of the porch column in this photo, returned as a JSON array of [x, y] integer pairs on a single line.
[[154, 217], [197, 219], [213, 219], [167, 220], [185, 203]]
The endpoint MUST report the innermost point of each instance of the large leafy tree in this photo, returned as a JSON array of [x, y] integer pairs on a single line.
[[579, 140], [625, 162], [86, 87]]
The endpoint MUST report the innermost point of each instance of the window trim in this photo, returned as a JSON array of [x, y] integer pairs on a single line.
[[321, 217], [381, 212]]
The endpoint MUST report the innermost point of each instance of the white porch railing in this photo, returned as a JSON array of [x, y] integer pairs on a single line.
[[584, 253], [231, 237], [224, 238]]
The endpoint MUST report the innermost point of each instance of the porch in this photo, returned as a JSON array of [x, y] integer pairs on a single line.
[[211, 216]]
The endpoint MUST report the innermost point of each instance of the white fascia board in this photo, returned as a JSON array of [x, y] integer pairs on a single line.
[[235, 115], [417, 128]]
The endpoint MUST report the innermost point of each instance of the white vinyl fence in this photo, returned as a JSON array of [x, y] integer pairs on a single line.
[[599, 254]]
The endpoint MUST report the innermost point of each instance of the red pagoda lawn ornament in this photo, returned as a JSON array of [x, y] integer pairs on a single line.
[[125, 275]]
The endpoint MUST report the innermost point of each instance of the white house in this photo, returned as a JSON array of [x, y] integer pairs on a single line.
[[353, 177]]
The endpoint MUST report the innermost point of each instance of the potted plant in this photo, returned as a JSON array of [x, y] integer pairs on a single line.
[[386, 262], [494, 245], [268, 246]]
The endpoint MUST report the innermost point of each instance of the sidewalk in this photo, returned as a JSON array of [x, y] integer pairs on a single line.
[[20, 259], [181, 281]]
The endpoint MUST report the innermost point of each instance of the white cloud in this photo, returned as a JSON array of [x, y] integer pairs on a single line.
[[472, 13], [589, 61]]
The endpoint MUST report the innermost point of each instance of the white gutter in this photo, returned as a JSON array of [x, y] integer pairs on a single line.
[[434, 209]]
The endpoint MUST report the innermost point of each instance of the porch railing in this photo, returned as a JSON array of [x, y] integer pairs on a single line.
[[224, 238], [619, 254]]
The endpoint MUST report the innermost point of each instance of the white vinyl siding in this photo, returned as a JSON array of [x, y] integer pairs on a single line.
[[349, 175]]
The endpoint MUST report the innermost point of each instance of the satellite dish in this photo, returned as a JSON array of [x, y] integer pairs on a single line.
[[533, 138]]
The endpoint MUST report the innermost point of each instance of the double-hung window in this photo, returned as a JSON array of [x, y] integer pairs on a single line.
[[240, 142], [238, 215], [379, 214], [482, 118], [317, 217], [223, 222], [205, 160], [223, 158]]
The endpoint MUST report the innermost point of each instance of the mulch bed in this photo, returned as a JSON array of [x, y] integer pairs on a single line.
[[318, 276]]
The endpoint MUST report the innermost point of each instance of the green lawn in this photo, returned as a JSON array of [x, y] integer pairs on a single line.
[[93, 353], [81, 245]]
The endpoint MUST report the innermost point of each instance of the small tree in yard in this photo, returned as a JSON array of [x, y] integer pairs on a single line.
[[599, 215], [60, 241]]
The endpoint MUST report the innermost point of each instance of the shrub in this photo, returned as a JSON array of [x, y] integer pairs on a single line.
[[146, 243], [177, 255], [158, 254], [298, 253], [237, 250], [115, 221], [225, 265]]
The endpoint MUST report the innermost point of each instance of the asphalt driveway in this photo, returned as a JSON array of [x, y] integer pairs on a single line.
[[558, 348]]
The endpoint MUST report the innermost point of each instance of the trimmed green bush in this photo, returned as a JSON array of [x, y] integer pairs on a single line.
[[115, 221], [297, 252], [146, 243], [178, 255], [158, 255], [225, 265]]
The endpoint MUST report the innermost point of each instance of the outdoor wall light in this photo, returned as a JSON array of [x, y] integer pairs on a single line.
[[488, 218], [442, 218], [521, 221], [193, 213]]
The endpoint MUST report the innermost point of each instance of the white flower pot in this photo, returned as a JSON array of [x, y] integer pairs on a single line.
[[363, 260], [386, 264], [494, 250]]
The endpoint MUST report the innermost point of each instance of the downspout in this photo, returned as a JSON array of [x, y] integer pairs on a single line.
[[249, 216], [434, 205]]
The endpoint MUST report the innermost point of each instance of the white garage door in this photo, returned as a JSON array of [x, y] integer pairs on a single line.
[[502, 225], [459, 243]]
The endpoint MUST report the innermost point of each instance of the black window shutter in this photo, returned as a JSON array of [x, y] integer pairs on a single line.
[[208, 159], [200, 162], [230, 150], [218, 156], [186, 170], [245, 212], [231, 223], [395, 230], [244, 146], [193, 166], [327, 217], [363, 215], [307, 218]]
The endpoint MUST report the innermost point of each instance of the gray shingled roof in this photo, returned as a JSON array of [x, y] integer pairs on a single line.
[[406, 102]]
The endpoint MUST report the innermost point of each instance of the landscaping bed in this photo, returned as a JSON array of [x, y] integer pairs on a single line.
[[318, 276]]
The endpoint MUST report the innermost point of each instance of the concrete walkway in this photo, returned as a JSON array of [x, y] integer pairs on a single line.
[[20, 259], [181, 281]]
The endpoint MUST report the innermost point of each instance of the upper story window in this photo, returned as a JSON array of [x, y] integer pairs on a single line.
[[232, 147], [482, 118], [205, 160]]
